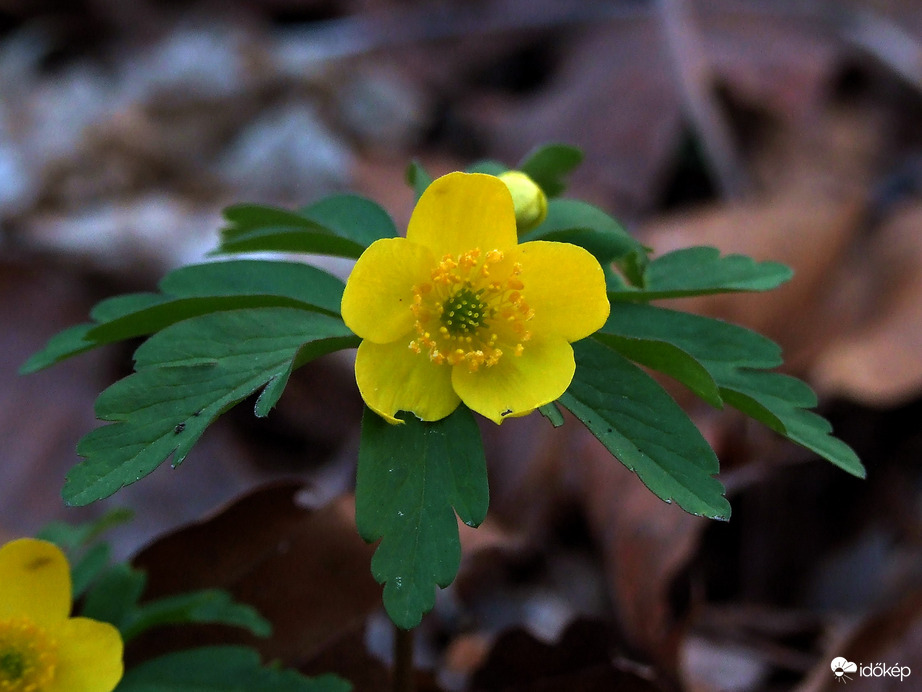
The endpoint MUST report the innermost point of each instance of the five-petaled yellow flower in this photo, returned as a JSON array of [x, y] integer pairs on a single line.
[[459, 311], [42, 649]]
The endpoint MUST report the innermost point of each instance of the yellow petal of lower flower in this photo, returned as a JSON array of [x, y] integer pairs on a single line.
[[517, 385], [34, 582], [89, 657], [565, 286], [393, 378], [462, 211], [379, 292]]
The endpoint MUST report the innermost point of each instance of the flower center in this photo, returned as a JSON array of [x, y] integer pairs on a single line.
[[471, 310], [464, 313], [27, 656]]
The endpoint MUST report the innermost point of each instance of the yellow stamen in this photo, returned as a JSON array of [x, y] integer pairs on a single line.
[[454, 313], [28, 656]]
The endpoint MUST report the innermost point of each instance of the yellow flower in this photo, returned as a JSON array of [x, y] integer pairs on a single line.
[[42, 649], [458, 311]]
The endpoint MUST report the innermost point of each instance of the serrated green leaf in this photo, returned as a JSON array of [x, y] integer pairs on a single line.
[[342, 225], [674, 342], [580, 223], [736, 359], [699, 271], [187, 375], [418, 178], [780, 401], [547, 165], [209, 606], [195, 290], [411, 480], [643, 427], [221, 669]]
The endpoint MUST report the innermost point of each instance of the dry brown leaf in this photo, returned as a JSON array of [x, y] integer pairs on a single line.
[[584, 659], [892, 637], [810, 228], [879, 361], [306, 571]]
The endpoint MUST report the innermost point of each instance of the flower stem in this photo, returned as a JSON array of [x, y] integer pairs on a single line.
[[403, 679]]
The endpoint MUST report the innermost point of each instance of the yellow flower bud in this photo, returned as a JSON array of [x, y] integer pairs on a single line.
[[529, 200]]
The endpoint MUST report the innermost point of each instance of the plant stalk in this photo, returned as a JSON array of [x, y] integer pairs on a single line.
[[403, 678]]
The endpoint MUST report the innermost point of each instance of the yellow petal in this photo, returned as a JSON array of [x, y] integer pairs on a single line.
[[462, 211], [565, 286], [89, 657], [34, 581], [393, 378], [517, 385], [379, 292]]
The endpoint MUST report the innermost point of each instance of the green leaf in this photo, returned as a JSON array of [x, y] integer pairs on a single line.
[[211, 606], [88, 560], [736, 360], [698, 271], [62, 345], [192, 291], [547, 165], [780, 401], [410, 476], [552, 413], [86, 570], [221, 669], [342, 225], [114, 595], [72, 537], [418, 178], [573, 221], [187, 375], [489, 167], [645, 429]]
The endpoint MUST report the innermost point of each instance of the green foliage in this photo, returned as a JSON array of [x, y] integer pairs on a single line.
[[418, 178], [410, 477], [213, 606], [645, 429], [187, 375], [488, 167], [221, 669], [222, 331], [548, 164], [115, 598], [573, 221], [196, 290], [698, 271], [725, 363], [341, 225], [87, 556]]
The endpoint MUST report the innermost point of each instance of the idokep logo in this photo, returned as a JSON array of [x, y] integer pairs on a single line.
[[845, 670], [841, 668]]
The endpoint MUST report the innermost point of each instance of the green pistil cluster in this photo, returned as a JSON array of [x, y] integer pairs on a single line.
[[12, 666], [464, 312]]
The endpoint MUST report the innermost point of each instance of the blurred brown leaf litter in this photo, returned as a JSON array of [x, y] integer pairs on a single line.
[[126, 127]]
